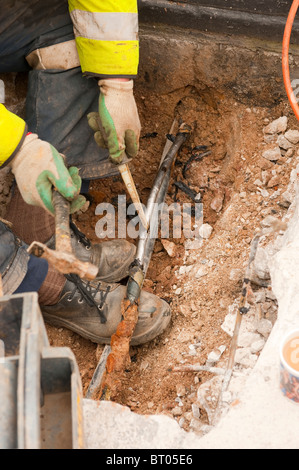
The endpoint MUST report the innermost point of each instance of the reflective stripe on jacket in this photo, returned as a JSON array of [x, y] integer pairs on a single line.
[[106, 33]]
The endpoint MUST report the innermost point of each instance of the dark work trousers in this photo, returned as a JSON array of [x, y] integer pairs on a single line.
[[57, 103]]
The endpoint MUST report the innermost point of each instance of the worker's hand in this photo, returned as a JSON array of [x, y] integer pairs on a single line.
[[38, 167], [117, 125]]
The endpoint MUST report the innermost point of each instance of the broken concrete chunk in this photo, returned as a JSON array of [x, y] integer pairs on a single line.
[[177, 411], [292, 136], [245, 357], [264, 327], [278, 126], [274, 181], [214, 356], [284, 143], [260, 268], [195, 410], [217, 202], [257, 346], [247, 338], [260, 296], [272, 154], [269, 221]]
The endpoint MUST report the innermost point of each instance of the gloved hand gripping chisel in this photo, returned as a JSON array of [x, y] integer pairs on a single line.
[[117, 127], [131, 188], [62, 258]]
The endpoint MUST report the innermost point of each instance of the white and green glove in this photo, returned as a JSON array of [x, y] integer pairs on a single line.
[[116, 125], [38, 168]]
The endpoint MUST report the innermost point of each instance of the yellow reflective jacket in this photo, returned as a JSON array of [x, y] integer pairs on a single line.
[[106, 34]]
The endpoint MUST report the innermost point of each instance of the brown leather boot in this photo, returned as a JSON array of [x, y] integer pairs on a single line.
[[113, 257], [93, 310]]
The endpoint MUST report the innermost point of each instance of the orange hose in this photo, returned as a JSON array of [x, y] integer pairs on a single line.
[[285, 57]]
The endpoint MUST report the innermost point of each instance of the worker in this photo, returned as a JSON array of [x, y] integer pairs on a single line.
[[81, 121]]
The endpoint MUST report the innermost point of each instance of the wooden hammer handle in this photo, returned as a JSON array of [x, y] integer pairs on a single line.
[[62, 223]]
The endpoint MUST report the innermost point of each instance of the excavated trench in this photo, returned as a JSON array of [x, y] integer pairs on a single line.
[[202, 281], [228, 90]]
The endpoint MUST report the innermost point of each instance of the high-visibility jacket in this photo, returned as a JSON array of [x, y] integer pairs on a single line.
[[106, 35]]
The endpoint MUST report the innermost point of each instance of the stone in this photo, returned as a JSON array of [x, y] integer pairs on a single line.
[[169, 247], [180, 390], [284, 143], [246, 339], [177, 411], [287, 198], [269, 221], [263, 192], [229, 323], [257, 346], [215, 355], [272, 154], [195, 411], [260, 268], [289, 153], [264, 327], [217, 202], [205, 231], [196, 425], [270, 295], [292, 135], [245, 358], [274, 181], [201, 272], [179, 401], [268, 138], [260, 296], [278, 126]]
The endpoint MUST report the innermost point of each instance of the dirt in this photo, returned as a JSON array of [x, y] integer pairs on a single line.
[[232, 204]]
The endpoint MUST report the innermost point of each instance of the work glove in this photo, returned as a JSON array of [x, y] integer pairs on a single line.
[[38, 168], [116, 125]]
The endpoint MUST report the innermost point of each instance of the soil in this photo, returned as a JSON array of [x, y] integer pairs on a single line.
[[211, 275]]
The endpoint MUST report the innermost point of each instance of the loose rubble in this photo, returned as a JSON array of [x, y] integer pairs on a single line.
[[246, 184], [257, 324]]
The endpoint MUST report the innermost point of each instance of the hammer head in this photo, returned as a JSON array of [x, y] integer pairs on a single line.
[[65, 263]]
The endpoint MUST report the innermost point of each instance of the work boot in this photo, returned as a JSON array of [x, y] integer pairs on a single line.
[[93, 310], [113, 257]]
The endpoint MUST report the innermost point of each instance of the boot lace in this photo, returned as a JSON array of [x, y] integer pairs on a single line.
[[88, 293], [80, 235]]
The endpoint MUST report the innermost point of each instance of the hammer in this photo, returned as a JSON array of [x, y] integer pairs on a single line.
[[62, 258]]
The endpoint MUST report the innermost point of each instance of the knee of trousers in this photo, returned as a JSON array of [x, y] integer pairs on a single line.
[[61, 56]]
